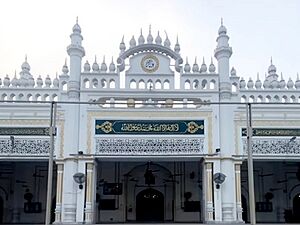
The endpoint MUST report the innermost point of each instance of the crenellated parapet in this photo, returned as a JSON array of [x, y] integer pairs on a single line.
[[195, 78], [100, 76], [26, 88], [271, 89]]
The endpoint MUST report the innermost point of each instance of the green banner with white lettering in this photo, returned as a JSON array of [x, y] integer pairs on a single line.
[[149, 127]]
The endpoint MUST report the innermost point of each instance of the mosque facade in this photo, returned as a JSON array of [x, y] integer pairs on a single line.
[[149, 139]]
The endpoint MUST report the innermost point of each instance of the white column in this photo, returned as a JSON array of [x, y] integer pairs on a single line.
[[89, 209], [59, 191], [239, 208], [228, 191], [209, 208], [70, 189]]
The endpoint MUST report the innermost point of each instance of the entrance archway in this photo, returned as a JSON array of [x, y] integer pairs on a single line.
[[296, 208], [150, 205]]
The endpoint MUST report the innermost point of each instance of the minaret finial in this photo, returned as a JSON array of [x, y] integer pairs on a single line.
[[65, 61], [25, 57], [76, 19], [271, 60], [221, 21], [281, 75], [166, 33], [150, 29], [141, 31], [15, 73], [95, 58], [177, 39], [257, 75], [123, 38]]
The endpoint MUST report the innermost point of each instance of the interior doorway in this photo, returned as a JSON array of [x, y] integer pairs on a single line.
[[150, 206], [296, 208]]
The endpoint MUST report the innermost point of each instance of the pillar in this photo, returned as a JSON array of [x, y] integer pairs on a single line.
[[209, 209], [89, 210], [59, 191], [239, 208]]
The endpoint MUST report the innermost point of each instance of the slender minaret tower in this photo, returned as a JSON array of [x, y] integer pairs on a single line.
[[71, 212], [76, 52], [226, 127]]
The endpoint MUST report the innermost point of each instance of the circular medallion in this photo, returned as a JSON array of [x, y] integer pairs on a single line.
[[150, 63]]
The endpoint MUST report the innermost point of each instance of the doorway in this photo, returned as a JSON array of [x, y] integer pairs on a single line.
[[150, 206], [296, 208]]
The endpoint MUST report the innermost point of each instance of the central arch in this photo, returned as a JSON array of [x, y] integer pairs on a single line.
[[150, 205]]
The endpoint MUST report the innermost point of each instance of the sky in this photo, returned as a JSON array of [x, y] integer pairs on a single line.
[[258, 30]]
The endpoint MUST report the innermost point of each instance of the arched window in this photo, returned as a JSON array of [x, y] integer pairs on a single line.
[[158, 84], [112, 83], [132, 84], [204, 84], [212, 84], [187, 85], [142, 84], [86, 83], [195, 84], [167, 84]]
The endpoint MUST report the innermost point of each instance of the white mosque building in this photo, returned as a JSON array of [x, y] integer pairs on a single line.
[[152, 148]]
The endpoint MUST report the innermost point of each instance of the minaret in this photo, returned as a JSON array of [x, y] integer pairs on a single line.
[[76, 52], [228, 208], [70, 213], [222, 54]]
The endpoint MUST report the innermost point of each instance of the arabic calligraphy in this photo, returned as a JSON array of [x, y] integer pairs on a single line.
[[149, 127]]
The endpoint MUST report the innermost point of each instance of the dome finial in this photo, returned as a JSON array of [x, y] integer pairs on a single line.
[[95, 58], [281, 76], [25, 57], [150, 29], [271, 60], [65, 61], [76, 19], [221, 21], [257, 75]]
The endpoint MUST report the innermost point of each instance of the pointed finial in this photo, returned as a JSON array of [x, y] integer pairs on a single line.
[[112, 59], [95, 58], [257, 76], [196, 60], [141, 31], [103, 58], [297, 76], [56, 75], [65, 61], [15, 72], [166, 34], [211, 60], [76, 19], [281, 76], [271, 61], [177, 42], [203, 61], [25, 57], [221, 21], [122, 39], [150, 29], [187, 60]]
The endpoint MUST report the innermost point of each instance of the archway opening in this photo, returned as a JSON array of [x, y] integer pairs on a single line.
[[150, 205]]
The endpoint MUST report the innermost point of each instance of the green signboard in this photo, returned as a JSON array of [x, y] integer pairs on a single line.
[[289, 132], [25, 131], [149, 127]]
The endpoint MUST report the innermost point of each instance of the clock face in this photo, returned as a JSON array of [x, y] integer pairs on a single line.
[[150, 63]]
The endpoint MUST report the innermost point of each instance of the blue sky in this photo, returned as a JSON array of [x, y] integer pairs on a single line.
[[258, 29]]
